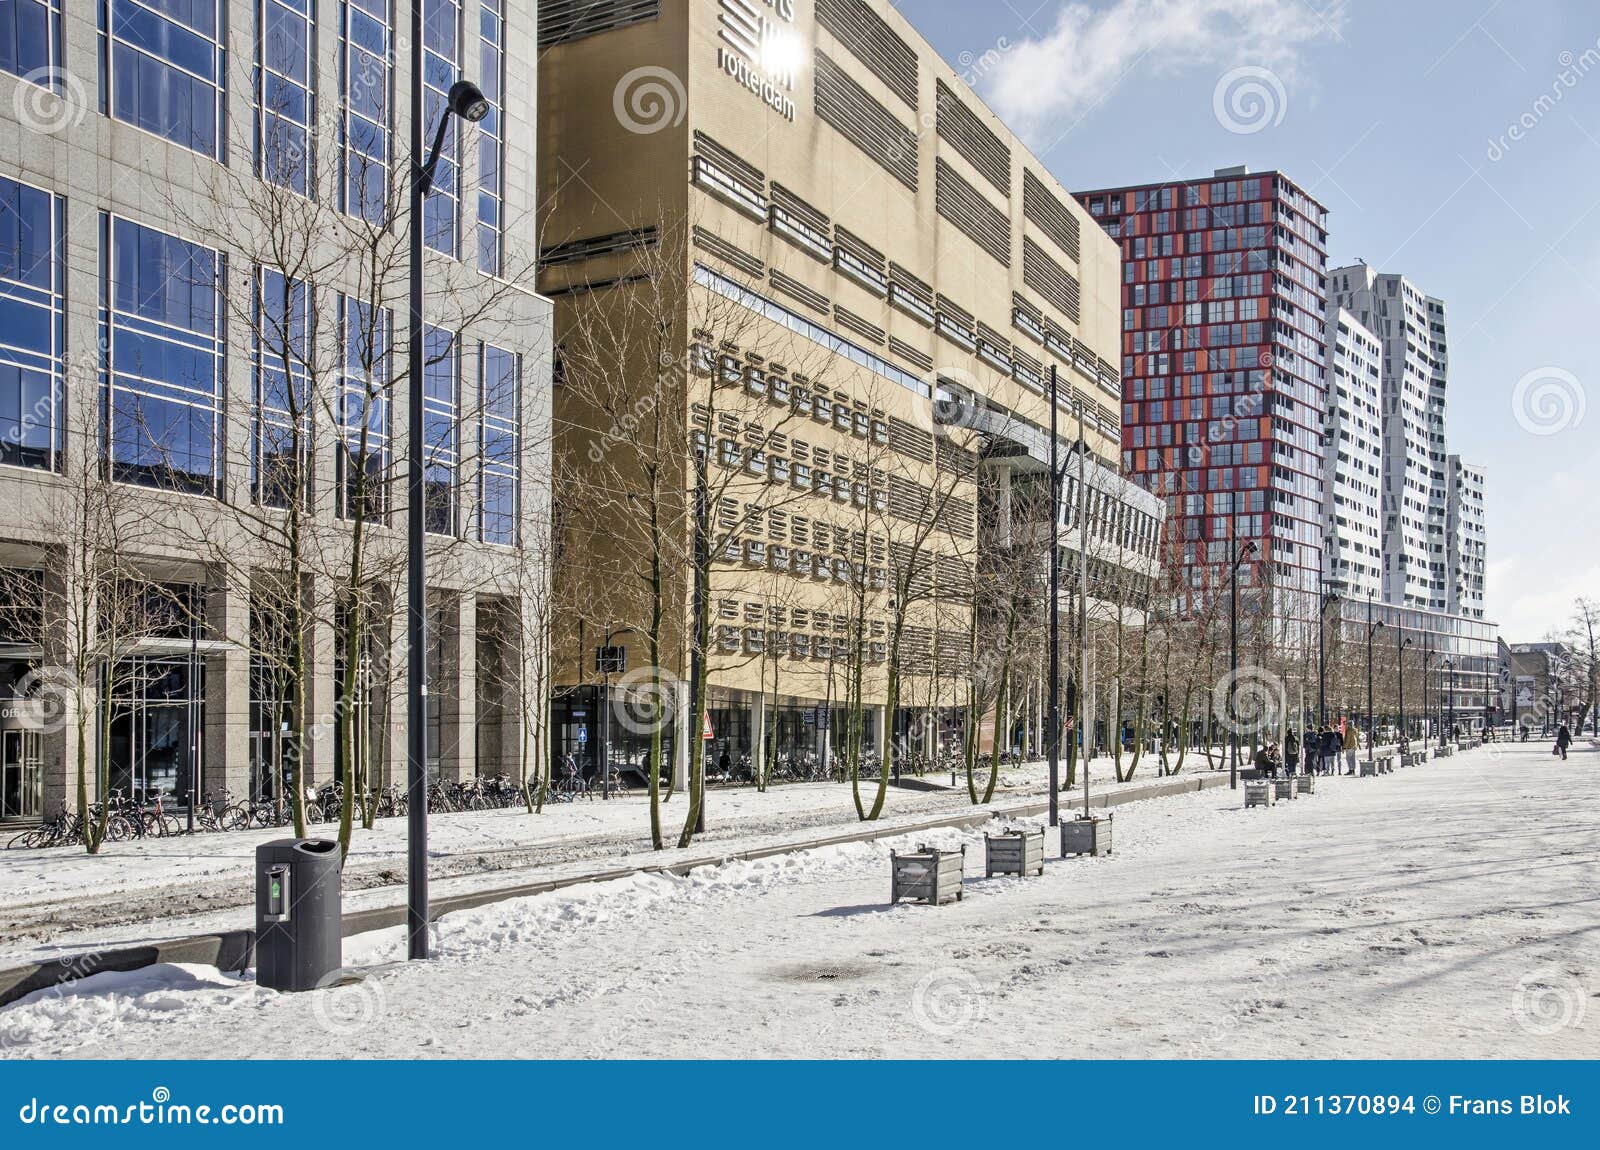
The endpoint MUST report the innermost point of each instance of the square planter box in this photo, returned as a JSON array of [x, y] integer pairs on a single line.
[[1306, 784], [1018, 852], [1086, 836], [929, 875], [1369, 768], [1283, 788], [1258, 793]]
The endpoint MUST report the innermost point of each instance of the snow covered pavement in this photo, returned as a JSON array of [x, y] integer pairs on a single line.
[[1448, 910]]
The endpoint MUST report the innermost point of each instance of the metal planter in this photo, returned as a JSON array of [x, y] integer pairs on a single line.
[[1283, 788], [1306, 784], [1019, 851], [1258, 793], [928, 875], [1086, 835], [1369, 768]]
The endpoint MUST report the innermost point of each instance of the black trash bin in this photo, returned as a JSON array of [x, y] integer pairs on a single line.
[[299, 921]]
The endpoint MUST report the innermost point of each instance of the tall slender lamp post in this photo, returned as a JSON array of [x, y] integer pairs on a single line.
[[1401, 642], [1233, 660], [1053, 709], [1373, 627], [1328, 600], [1447, 721], [467, 101]]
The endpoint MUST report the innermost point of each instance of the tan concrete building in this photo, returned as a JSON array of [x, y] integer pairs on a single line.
[[867, 281]]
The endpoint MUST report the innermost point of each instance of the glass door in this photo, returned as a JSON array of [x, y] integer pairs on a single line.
[[21, 775]]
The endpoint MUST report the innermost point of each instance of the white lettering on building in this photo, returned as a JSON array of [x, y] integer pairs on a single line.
[[760, 49]]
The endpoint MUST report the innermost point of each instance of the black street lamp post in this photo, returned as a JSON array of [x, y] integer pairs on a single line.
[[1053, 709], [466, 101], [1373, 627], [1401, 642], [1233, 661], [1328, 600]]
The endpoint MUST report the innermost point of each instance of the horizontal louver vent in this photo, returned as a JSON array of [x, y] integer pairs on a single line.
[[783, 198], [576, 251], [1052, 217], [910, 441], [562, 21], [726, 252], [968, 135], [1049, 279], [979, 220], [850, 321], [858, 247], [872, 42], [793, 288], [910, 354], [714, 151], [867, 124]]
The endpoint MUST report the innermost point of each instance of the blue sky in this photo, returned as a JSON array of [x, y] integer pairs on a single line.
[[1398, 115]]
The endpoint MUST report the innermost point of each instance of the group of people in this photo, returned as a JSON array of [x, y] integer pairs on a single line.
[[1318, 750]]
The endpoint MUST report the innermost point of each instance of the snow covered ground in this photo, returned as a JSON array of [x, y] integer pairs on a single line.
[[161, 887], [1449, 910]]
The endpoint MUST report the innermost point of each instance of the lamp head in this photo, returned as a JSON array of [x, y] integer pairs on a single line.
[[467, 100]]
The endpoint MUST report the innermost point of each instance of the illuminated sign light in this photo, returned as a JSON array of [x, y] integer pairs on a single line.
[[760, 50]]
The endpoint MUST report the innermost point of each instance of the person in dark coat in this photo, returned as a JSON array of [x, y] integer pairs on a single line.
[[1563, 741], [1332, 744], [1291, 754]]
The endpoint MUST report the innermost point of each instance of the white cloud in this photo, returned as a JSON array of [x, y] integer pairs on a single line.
[[1050, 80]]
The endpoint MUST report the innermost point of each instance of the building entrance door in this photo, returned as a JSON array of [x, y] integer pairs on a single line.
[[21, 775]]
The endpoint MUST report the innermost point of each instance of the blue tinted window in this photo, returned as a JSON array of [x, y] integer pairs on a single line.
[[284, 93], [491, 136], [30, 39], [281, 422], [167, 69], [501, 449], [363, 410], [163, 349], [440, 429], [441, 67], [32, 325], [365, 61]]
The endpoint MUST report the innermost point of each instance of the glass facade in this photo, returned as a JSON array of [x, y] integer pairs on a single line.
[[30, 39], [285, 108], [281, 425], [168, 69], [441, 67], [441, 414], [491, 131], [32, 325], [500, 430], [162, 346], [363, 461], [366, 147]]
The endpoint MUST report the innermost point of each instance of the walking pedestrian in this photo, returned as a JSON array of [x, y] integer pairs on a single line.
[[1563, 741], [1291, 754], [1351, 743]]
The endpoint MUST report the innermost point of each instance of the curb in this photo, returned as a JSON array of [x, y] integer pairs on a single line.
[[235, 949]]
